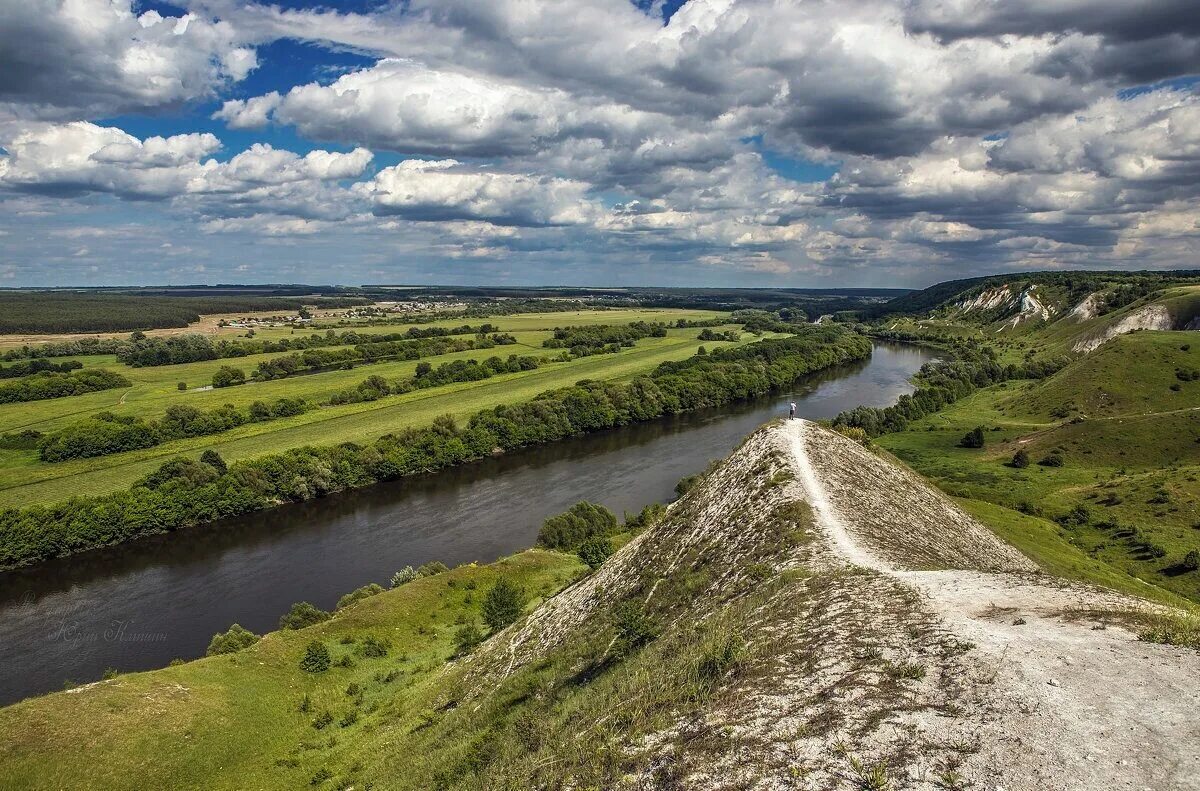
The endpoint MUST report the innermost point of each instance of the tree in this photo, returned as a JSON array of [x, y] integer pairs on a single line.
[[228, 376], [301, 615], [316, 658], [972, 439], [1191, 561], [503, 604], [595, 551], [181, 386], [231, 641], [214, 460], [1020, 459]]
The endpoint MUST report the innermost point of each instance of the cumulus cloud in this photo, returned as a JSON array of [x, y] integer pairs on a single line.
[[63, 58], [445, 190], [80, 158], [964, 133], [252, 113]]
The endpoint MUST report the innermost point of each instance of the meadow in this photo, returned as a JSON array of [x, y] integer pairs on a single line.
[[1122, 508], [25, 480]]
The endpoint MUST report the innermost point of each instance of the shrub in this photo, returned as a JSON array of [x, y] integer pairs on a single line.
[[685, 485], [1191, 561], [568, 530], [316, 658], [467, 638], [1020, 459], [1053, 459], [356, 595], [853, 432], [232, 641], [214, 460], [972, 439], [373, 647], [403, 576], [503, 604], [1079, 515], [431, 568], [181, 386], [595, 551], [634, 627], [301, 615], [228, 376]]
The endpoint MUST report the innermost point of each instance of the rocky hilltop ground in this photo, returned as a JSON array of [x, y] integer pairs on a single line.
[[877, 637]]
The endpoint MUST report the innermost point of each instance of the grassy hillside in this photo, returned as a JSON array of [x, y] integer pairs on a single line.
[[560, 700], [1126, 494], [234, 721], [1128, 375]]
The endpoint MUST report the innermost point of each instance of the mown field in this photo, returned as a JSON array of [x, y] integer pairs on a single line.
[[24, 479], [1124, 508]]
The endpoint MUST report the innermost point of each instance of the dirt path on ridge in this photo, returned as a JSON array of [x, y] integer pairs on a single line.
[[1079, 706]]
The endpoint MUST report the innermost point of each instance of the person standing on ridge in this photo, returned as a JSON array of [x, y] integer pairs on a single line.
[[792, 411]]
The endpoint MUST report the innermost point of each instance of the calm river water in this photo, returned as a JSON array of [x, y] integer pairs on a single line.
[[138, 606]]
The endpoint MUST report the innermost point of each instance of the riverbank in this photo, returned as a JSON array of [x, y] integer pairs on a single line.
[[189, 584], [188, 493]]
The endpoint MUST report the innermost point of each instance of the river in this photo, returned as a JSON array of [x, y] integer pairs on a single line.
[[137, 606]]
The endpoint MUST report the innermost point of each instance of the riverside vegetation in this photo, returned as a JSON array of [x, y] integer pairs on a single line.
[[186, 492]]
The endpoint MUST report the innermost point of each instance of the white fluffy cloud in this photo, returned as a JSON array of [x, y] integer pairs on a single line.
[[444, 190], [80, 158], [61, 58], [965, 133]]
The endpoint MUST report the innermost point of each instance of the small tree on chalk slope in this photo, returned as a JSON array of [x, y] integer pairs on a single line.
[[503, 604]]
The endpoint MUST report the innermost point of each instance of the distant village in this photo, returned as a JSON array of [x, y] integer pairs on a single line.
[[362, 312]]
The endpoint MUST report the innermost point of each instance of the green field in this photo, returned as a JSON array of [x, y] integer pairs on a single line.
[[24, 479], [1131, 450], [233, 721]]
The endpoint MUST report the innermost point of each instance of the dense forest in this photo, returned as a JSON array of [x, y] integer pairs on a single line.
[[375, 387], [185, 492], [102, 311], [144, 351]]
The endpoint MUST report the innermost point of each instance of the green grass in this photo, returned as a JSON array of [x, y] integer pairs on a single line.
[[25, 480], [1137, 475], [1130, 375], [232, 722]]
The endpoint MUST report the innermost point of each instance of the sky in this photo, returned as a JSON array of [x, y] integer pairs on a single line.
[[806, 143]]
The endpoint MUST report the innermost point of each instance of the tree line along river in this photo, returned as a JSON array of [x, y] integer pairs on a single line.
[[139, 605]]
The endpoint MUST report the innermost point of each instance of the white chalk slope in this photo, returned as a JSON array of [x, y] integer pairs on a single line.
[[1071, 706]]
